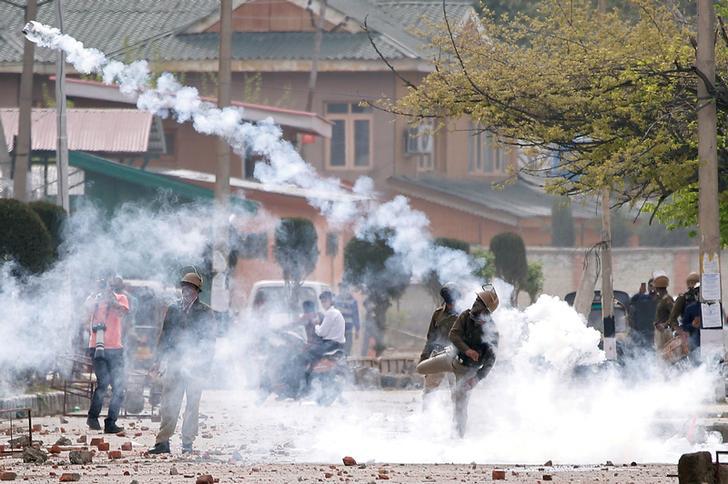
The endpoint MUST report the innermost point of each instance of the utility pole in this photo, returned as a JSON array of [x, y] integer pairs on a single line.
[[711, 342], [220, 295], [318, 36], [23, 146], [610, 341], [62, 142]]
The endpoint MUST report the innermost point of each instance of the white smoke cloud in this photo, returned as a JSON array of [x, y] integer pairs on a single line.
[[543, 399], [410, 238]]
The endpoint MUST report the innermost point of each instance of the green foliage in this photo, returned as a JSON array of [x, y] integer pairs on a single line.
[[370, 267], [487, 264], [432, 282], [54, 218], [24, 238], [534, 280], [612, 93], [562, 223], [510, 258], [296, 249]]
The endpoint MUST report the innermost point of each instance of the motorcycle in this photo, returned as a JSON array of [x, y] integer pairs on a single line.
[[329, 376]]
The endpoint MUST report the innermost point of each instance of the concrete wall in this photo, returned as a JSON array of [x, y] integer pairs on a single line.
[[563, 267]]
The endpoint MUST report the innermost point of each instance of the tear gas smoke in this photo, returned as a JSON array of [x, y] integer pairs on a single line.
[[536, 404], [410, 241]]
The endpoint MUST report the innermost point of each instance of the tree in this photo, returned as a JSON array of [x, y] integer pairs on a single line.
[[562, 223], [534, 280], [432, 282], [23, 237], [296, 251], [509, 253], [596, 99], [371, 267], [54, 218]]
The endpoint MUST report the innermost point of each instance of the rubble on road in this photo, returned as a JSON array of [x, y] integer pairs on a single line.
[[70, 477], [80, 457], [8, 476], [31, 455]]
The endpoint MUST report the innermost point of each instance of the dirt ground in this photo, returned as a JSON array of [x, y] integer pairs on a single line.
[[242, 440]]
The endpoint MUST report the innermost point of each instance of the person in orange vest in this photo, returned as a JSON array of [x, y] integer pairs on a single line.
[[106, 350]]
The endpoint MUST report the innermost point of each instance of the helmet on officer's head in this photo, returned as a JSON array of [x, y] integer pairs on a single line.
[[660, 280], [449, 293], [193, 279], [489, 297], [693, 279]]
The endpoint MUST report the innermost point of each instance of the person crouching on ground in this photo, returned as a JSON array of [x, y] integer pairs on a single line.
[[185, 351], [475, 340]]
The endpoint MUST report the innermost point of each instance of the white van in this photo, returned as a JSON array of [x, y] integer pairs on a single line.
[[269, 293]]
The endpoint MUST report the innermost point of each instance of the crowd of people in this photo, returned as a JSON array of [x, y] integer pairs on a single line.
[[185, 349], [670, 326]]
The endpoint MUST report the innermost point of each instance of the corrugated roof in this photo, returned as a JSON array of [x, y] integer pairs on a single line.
[[153, 29], [112, 130], [274, 46], [519, 198]]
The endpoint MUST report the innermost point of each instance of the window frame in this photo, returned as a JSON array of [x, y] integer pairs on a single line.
[[478, 143], [349, 118]]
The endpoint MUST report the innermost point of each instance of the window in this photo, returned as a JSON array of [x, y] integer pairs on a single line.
[[485, 155], [350, 146], [419, 143]]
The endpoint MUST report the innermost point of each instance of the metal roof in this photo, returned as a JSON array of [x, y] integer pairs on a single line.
[[302, 121], [519, 199], [155, 30], [275, 46], [90, 163], [111, 130]]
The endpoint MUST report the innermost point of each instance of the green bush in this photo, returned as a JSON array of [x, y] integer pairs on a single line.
[[432, 282], [24, 238], [296, 251], [510, 260], [370, 267], [53, 217]]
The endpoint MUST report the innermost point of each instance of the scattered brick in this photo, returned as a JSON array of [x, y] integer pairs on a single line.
[[103, 446], [55, 449], [8, 476], [349, 461], [498, 475], [547, 477], [126, 446], [96, 441], [205, 479], [81, 439], [70, 477], [114, 454]]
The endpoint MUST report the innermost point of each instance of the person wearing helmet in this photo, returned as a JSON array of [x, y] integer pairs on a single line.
[[438, 335], [663, 328], [475, 340], [185, 350], [684, 299]]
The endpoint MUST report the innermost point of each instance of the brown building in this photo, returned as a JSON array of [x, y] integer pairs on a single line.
[[448, 175]]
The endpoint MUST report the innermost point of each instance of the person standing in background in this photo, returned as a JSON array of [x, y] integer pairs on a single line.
[[349, 309]]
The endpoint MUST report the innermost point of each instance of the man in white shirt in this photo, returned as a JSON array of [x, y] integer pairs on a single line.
[[332, 328], [330, 334]]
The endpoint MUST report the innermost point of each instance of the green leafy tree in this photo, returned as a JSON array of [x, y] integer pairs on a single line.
[[24, 238], [486, 271], [54, 218], [534, 280], [613, 94], [432, 282], [370, 266], [511, 265], [296, 251]]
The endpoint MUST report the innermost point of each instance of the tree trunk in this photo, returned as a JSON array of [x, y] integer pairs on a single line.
[[313, 75], [25, 105]]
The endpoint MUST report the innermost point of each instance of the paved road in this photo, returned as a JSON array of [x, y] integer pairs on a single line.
[[281, 441]]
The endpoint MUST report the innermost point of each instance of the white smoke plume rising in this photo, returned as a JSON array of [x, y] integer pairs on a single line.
[[543, 399], [410, 240]]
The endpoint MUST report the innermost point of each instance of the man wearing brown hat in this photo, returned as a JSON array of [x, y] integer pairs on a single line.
[[475, 340], [684, 299], [663, 329], [184, 352]]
